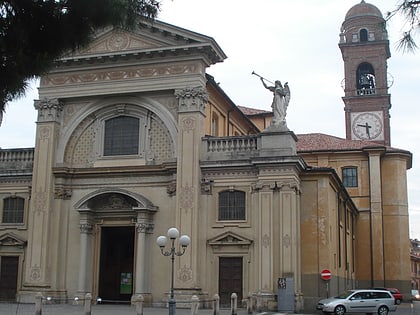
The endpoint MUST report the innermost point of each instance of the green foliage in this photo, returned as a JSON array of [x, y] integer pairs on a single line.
[[410, 10], [34, 33]]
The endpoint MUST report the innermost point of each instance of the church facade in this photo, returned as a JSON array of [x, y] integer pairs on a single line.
[[133, 137]]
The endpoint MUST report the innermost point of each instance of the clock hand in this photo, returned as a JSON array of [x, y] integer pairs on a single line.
[[368, 130], [367, 127]]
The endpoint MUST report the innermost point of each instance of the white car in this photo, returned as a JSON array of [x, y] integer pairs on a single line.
[[359, 301]]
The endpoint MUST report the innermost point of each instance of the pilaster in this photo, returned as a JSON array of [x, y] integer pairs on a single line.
[[191, 129], [39, 265], [376, 216]]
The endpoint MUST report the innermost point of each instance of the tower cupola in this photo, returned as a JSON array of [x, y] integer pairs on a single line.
[[364, 47]]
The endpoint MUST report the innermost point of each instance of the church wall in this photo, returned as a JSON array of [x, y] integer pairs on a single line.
[[326, 239], [396, 223]]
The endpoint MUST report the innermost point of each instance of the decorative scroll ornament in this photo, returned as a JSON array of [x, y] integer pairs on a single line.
[[48, 109], [191, 99]]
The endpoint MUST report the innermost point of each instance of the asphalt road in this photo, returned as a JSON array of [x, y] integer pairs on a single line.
[[104, 309]]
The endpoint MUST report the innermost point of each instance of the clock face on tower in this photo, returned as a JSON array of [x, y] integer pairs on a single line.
[[367, 126]]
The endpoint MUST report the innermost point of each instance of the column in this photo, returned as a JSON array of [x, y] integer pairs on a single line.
[[140, 285], [85, 269]]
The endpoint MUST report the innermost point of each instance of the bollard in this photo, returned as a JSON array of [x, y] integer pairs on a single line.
[[88, 304], [138, 301], [38, 303], [249, 303], [194, 304], [234, 304], [216, 304]]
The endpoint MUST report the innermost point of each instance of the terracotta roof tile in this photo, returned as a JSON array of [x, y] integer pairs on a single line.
[[253, 111], [322, 142]]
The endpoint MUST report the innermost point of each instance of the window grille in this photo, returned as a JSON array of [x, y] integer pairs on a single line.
[[13, 208], [350, 177], [231, 205], [121, 136]]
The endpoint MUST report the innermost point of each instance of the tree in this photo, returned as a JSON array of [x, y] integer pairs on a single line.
[[34, 33], [411, 14]]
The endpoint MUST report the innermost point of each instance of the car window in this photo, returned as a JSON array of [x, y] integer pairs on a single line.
[[382, 295], [357, 296], [344, 295]]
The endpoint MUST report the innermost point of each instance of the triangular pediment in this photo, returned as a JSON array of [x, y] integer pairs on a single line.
[[117, 40], [10, 239], [229, 238], [148, 39]]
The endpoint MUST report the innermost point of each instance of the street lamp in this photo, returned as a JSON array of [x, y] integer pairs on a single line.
[[184, 241]]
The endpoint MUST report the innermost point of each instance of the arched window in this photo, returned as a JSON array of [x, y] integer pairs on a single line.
[[13, 209], [121, 136], [365, 79], [363, 34], [231, 205]]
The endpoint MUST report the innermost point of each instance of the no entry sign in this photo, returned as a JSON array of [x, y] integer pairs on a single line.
[[325, 274]]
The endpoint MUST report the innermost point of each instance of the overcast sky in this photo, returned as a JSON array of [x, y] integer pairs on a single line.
[[294, 41]]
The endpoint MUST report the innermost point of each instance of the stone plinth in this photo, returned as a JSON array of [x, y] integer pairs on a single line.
[[276, 141]]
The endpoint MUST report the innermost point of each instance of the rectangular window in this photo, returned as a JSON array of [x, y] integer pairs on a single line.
[[231, 205], [121, 136], [13, 209], [350, 177]]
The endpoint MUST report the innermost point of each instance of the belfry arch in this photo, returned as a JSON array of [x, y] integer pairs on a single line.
[[104, 215]]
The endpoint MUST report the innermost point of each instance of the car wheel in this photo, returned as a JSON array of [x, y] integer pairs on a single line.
[[398, 301], [382, 310], [340, 310]]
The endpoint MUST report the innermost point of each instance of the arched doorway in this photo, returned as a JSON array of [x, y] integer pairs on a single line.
[[115, 228]]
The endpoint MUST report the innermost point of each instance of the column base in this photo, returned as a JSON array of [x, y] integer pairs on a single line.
[[183, 298], [266, 301], [147, 299]]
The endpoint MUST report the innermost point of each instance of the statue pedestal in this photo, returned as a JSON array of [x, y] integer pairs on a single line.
[[277, 140]]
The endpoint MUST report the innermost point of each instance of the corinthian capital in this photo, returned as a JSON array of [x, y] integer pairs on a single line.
[[48, 109], [191, 99]]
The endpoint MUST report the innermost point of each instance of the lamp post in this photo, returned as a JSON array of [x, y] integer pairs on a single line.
[[184, 241]]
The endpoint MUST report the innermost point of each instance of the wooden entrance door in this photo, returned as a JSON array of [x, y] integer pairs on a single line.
[[230, 279], [116, 264], [8, 277]]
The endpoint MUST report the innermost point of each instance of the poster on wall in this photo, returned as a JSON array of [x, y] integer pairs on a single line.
[[126, 283]]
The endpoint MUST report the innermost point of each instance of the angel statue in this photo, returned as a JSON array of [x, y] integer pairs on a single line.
[[280, 101]]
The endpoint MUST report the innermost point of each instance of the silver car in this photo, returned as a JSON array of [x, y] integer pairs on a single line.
[[359, 301]]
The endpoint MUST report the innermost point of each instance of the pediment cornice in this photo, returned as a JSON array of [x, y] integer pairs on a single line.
[[150, 39], [229, 238], [10, 239]]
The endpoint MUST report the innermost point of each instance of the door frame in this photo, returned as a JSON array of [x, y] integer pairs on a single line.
[[97, 252], [242, 276], [19, 275]]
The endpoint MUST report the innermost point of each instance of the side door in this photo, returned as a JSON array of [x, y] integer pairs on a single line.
[[359, 302]]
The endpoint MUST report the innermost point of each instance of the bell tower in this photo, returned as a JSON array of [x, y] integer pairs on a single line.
[[364, 47]]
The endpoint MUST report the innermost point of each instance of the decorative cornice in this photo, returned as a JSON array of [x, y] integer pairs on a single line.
[[120, 74]]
